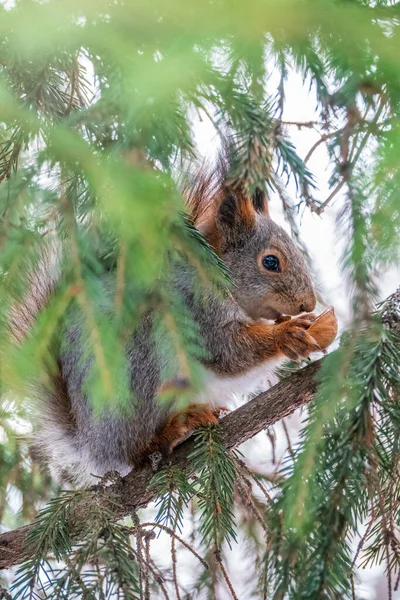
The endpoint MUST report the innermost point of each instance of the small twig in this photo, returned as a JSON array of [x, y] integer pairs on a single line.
[[299, 124], [174, 559], [139, 553], [156, 576], [182, 541], [265, 575], [72, 94], [76, 574], [213, 121], [395, 460], [353, 591], [272, 438], [248, 499], [218, 559], [100, 578], [396, 585], [385, 530], [337, 189], [147, 570], [285, 429], [353, 155], [362, 540], [323, 138], [281, 90], [246, 469]]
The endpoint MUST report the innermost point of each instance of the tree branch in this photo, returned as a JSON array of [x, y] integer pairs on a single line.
[[134, 492]]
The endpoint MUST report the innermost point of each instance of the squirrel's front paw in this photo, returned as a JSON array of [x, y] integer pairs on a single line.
[[293, 339]]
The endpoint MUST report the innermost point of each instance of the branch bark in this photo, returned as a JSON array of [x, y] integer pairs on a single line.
[[134, 492]]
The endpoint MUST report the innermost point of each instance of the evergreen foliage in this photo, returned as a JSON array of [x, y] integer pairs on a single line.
[[97, 108]]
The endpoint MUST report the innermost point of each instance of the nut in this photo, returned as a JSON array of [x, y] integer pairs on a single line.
[[324, 328]]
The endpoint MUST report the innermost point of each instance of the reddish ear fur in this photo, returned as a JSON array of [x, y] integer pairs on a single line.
[[233, 216]]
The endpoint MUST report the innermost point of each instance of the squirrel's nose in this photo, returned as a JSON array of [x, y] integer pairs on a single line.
[[307, 306]]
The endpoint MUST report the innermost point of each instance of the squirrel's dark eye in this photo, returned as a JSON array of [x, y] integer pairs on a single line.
[[271, 263]]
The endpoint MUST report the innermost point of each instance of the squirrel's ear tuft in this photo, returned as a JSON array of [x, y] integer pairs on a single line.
[[260, 201], [235, 217], [235, 209]]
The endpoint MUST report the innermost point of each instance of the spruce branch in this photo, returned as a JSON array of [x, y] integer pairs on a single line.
[[343, 469], [135, 490]]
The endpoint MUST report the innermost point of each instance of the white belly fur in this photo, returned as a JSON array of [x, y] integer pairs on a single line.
[[227, 391]]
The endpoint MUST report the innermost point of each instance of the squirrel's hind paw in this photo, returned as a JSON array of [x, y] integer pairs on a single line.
[[177, 429]]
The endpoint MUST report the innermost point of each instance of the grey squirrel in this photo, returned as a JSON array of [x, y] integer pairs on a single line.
[[244, 335]]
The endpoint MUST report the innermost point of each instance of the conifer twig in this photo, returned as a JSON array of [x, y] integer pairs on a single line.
[[249, 500], [173, 534], [324, 137], [147, 573], [174, 560], [242, 465], [220, 563]]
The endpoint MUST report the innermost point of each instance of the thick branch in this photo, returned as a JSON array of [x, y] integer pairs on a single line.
[[134, 492]]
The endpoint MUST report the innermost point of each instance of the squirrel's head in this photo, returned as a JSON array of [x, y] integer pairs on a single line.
[[270, 274]]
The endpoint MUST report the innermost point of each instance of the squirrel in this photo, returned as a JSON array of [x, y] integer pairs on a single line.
[[244, 334]]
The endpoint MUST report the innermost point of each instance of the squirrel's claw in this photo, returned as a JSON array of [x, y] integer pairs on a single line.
[[155, 459]]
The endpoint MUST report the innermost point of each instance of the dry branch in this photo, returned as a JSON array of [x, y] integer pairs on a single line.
[[133, 491]]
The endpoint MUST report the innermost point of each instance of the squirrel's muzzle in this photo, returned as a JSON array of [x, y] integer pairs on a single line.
[[307, 306]]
